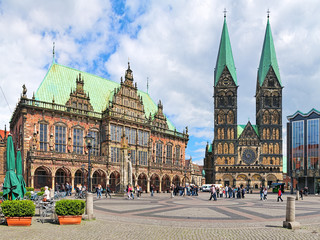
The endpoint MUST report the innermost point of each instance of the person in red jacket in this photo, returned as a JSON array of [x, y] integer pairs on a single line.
[[279, 195]]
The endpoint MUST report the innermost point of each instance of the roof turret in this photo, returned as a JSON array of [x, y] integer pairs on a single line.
[[268, 57], [225, 57]]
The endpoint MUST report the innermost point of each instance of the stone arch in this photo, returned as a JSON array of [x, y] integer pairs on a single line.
[[185, 181], [275, 117], [256, 177], [99, 177], [271, 178], [42, 177], [81, 177], [114, 181], [230, 117], [221, 117], [242, 177], [231, 148], [165, 183], [225, 148], [271, 148], [227, 180], [62, 176], [176, 180], [142, 181], [155, 181], [266, 117], [219, 148]]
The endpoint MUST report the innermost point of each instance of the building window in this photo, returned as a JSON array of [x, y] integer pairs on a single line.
[[297, 145], [133, 156], [177, 155], [131, 135], [143, 138], [158, 152], [60, 139], [115, 132], [78, 140], [169, 154], [115, 154], [143, 158], [95, 143], [313, 143], [43, 137]]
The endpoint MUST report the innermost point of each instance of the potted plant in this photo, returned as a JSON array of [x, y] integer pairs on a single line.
[[18, 212], [70, 211]]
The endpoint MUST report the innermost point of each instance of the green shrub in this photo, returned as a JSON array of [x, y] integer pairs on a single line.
[[29, 189], [18, 208], [28, 195], [40, 193], [68, 207], [1, 194], [42, 189]]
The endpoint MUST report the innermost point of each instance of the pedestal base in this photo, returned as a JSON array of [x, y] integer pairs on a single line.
[[291, 225]]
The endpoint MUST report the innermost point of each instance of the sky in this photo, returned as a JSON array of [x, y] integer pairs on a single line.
[[173, 44]]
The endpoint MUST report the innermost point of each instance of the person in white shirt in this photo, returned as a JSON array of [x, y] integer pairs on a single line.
[[46, 194]]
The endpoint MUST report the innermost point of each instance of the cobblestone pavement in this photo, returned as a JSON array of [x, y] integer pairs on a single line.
[[161, 217]]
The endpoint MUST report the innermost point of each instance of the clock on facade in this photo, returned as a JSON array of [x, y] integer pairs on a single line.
[[248, 156]]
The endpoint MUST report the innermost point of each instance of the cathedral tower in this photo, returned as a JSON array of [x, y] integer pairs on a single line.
[[225, 105], [269, 105]]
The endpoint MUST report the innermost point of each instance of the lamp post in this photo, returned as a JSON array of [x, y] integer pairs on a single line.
[[88, 140], [82, 167]]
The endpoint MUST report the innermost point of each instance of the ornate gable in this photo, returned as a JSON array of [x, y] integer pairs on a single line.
[[248, 133], [126, 102], [78, 98], [159, 120]]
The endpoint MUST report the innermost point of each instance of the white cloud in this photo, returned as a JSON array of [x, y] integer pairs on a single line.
[[176, 48]]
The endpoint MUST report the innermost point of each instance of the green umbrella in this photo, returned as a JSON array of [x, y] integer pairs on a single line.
[[19, 175], [11, 186]]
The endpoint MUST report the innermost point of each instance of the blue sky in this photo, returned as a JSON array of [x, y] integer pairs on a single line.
[[174, 44]]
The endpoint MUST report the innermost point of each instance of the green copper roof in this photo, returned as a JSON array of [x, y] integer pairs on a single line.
[[242, 127], [225, 57], [210, 148], [59, 81], [268, 57]]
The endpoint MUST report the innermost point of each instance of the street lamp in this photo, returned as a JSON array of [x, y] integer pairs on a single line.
[[82, 167], [89, 140]]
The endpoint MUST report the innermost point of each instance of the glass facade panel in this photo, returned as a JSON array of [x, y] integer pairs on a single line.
[[133, 156], [60, 138], [115, 133], [297, 145], [313, 143], [43, 137]]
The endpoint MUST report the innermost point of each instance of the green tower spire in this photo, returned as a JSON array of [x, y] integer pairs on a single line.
[[225, 57], [268, 57]]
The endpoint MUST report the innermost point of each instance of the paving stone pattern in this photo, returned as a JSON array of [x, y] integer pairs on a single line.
[[161, 217]]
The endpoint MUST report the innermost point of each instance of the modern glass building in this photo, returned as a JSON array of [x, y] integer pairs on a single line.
[[303, 150]]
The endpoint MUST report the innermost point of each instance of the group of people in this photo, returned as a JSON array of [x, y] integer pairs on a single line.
[[131, 190], [99, 191], [67, 188], [227, 192], [189, 190]]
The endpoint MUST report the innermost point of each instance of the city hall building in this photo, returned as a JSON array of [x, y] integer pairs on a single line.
[[50, 129], [248, 154], [303, 150]]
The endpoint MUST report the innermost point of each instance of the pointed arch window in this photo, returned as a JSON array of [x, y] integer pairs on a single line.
[[159, 147], [60, 138]]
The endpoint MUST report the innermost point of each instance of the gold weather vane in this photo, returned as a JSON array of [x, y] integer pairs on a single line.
[[268, 13], [53, 53], [148, 85], [225, 13]]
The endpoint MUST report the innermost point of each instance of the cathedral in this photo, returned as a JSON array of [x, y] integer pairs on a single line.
[[248, 154]]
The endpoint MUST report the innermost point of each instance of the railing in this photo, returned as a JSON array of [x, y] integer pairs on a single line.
[[58, 107]]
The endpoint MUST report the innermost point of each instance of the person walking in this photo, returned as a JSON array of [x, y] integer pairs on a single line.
[[226, 191], [261, 193], [172, 190], [265, 194], [108, 191], [301, 194], [99, 190], [151, 190], [279, 195]]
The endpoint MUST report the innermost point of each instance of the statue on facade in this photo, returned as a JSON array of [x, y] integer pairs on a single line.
[[34, 142], [203, 173], [51, 142], [24, 91]]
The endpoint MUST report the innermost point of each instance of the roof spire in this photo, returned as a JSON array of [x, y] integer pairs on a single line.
[[225, 12], [268, 12], [225, 57], [148, 85], [53, 53], [268, 57]]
